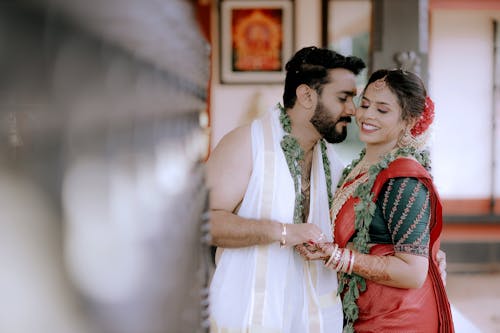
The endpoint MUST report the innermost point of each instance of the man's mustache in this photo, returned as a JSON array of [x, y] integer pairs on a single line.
[[346, 119]]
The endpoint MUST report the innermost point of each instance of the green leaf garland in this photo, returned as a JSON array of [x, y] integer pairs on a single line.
[[294, 154]]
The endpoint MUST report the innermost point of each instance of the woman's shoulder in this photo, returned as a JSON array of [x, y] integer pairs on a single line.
[[405, 167], [404, 183], [402, 168]]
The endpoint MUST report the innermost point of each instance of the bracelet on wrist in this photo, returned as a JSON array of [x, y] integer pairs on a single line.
[[344, 261], [332, 256], [283, 235], [351, 264]]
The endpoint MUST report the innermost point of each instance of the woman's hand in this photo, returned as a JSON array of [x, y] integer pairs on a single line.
[[315, 251]]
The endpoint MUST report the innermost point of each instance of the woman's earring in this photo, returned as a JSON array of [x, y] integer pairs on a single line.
[[407, 140]]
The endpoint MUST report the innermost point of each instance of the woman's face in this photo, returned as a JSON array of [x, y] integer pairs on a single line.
[[379, 117]]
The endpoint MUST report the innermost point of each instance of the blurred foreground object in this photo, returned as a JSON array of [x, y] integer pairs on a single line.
[[101, 167]]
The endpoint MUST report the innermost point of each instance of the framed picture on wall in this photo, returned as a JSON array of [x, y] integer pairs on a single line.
[[256, 40]]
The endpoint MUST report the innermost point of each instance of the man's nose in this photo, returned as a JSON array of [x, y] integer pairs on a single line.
[[350, 108]]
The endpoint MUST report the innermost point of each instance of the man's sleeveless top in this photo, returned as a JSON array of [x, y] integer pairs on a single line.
[[268, 288]]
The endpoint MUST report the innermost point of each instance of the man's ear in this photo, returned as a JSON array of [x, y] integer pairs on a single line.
[[305, 96]]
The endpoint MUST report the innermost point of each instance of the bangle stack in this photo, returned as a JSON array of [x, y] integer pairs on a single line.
[[334, 254], [341, 260], [283, 235], [343, 265]]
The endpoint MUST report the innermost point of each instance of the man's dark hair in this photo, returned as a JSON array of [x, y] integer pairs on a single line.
[[310, 66]]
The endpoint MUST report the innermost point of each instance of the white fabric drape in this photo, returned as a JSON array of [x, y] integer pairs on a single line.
[[268, 288]]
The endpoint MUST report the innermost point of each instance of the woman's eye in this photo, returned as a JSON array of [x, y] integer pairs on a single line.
[[382, 111], [364, 106], [343, 99]]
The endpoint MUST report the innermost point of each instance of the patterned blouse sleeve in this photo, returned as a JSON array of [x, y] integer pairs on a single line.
[[405, 206]]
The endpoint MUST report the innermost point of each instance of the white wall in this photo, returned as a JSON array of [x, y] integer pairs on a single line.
[[461, 81], [234, 105]]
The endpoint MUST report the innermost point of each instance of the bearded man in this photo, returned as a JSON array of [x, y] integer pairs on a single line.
[[271, 188]]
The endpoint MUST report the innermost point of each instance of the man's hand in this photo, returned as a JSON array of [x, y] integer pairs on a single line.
[[441, 259], [303, 233]]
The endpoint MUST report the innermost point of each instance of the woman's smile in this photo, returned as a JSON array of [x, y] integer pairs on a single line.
[[368, 128]]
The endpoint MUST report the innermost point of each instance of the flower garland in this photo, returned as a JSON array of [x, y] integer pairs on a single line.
[[293, 155], [425, 119], [364, 212]]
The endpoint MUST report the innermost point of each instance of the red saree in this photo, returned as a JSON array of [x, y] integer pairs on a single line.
[[388, 309]]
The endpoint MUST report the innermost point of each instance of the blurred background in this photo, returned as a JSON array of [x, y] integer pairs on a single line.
[[103, 136], [108, 109]]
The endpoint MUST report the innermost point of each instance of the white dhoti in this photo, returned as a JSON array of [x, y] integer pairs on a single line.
[[268, 288]]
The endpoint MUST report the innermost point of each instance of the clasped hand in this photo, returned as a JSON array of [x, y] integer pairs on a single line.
[[315, 250]]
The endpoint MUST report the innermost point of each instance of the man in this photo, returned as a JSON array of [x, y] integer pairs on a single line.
[[262, 179]]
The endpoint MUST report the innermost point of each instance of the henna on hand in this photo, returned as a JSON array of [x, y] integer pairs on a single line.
[[325, 249], [372, 267], [310, 252]]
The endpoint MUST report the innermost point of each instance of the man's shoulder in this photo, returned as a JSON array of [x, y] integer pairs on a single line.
[[233, 146], [243, 133], [237, 135]]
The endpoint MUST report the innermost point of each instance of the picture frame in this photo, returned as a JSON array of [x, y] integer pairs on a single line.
[[256, 40]]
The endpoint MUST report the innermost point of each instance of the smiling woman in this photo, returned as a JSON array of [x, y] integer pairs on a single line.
[[379, 118], [387, 217]]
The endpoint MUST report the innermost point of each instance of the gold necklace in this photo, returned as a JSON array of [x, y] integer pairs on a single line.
[[361, 167], [342, 195]]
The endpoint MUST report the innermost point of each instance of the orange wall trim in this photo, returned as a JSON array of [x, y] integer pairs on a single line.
[[470, 233], [468, 206], [465, 4]]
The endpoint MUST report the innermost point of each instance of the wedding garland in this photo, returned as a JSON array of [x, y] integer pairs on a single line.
[[294, 154], [364, 212]]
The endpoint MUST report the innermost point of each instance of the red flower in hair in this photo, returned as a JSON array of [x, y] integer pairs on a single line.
[[425, 119]]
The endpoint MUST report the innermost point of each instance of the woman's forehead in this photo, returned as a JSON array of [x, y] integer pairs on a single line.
[[380, 94]]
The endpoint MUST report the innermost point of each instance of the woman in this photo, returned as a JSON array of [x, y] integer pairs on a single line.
[[387, 218]]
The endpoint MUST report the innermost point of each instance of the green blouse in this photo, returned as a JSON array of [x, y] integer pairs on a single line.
[[402, 216]]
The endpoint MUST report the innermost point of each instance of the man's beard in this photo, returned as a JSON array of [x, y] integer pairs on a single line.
[[326, 126]]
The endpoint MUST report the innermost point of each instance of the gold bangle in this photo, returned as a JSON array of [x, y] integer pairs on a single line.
[[283, 235]]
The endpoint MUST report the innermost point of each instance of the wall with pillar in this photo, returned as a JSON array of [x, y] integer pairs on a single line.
[[400, 31], [235, 105], [461, 82]]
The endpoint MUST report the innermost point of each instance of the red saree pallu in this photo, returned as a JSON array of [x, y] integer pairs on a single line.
[[388, 309]]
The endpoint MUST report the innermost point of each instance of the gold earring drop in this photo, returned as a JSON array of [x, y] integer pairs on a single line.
[[406, 140]]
